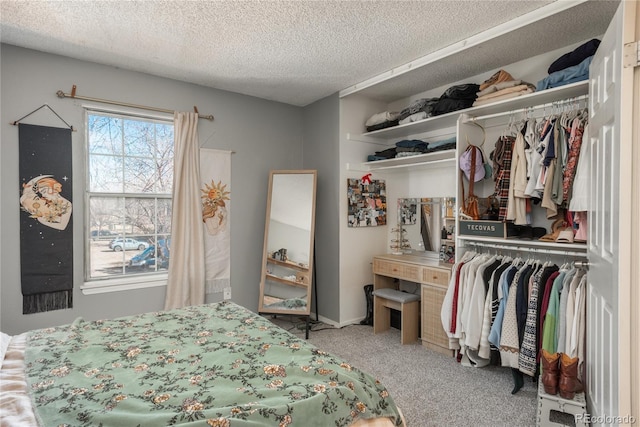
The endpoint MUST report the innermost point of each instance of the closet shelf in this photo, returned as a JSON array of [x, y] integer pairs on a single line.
[[444, 157], [389, 136]]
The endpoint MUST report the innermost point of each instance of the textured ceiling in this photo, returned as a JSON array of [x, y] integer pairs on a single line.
[[294, 52]]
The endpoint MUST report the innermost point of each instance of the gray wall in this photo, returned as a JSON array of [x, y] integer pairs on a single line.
[[264, 135], [321, 151]]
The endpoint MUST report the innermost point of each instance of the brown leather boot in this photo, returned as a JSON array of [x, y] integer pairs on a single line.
[[569, 383], [550, 371]]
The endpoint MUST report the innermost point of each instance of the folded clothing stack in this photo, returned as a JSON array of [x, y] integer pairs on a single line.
[[497, 77], [389, 153], [571, 67], [501, 86], [456, 98], [412, 147], [381, 121], [418, 110], [441, 145], [575, 57]]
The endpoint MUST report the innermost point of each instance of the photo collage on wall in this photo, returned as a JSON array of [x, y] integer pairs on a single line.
[[367, 202]]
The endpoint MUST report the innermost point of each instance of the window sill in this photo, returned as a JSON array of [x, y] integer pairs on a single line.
[[123, 284]]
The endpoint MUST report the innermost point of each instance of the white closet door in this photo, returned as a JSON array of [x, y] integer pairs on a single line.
[[608, 346]]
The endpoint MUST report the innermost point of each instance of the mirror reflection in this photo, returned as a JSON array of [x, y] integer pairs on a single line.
[[426, 227], [285, 285]]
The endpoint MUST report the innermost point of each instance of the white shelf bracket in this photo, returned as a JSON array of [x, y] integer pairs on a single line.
[[367, 139]]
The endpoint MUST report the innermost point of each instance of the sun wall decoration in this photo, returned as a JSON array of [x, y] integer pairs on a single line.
[[214, 208]]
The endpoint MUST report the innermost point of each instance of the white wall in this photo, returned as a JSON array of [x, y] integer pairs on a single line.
[[321, 149], [294, 239], [358, 245], [265, 135]]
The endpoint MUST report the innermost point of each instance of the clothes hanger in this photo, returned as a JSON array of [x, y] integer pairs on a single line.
[[512, 124]]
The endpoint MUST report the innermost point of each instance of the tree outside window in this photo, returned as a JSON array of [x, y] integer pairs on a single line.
[[130, 178]]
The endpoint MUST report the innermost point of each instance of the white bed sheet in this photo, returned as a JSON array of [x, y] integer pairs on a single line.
[[15, 403]]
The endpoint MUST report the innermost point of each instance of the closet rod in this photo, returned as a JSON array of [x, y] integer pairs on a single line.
[[73, 95], [529, 249], [528, 109]]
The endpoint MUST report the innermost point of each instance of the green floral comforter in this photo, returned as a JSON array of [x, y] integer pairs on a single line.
[[209, 365]]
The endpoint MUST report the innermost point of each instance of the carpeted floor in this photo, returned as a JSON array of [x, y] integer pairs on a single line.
[[431, 389]]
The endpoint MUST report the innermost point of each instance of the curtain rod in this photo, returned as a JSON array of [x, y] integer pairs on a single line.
[[73, 95]]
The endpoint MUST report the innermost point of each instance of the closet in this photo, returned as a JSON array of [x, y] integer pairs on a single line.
[[524, 47]]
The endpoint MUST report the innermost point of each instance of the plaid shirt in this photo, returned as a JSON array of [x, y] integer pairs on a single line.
[[502, 158]]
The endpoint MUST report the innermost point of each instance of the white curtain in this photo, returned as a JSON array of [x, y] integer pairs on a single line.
[[185, 284]]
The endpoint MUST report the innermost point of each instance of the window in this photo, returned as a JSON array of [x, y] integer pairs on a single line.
[[129, 181]]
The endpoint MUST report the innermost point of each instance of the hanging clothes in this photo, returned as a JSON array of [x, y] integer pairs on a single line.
[[541, 168], [550, 163], [561, 159], [508, 310], [510, 339], [488, 350], [527, 360], [580, 190], [448, 312], [561, 319], [503, 294], [501, 156], [549, 336], [474, 307], [517, 199], [538, 142]]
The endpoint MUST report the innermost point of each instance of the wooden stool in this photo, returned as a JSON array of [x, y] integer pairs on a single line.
[[549, 402], [406, 303]]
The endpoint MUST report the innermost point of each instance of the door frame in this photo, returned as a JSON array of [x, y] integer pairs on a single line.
[[634, 253], [628, 354]]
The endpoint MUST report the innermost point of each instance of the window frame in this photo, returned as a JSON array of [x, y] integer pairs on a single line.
[[124, 282]]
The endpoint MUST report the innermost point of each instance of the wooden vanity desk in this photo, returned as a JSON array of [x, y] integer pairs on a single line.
[[433, 276]]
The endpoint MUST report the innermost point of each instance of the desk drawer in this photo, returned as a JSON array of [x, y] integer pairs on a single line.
[[435, 276], [398, 270]]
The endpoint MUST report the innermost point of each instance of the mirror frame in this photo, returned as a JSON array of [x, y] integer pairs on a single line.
[[266, 259], [436, 202]]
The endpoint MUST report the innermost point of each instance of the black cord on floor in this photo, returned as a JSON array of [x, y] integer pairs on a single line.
[[301, 324]]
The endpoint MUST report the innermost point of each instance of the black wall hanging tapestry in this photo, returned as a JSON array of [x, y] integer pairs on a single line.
[[46, 231]]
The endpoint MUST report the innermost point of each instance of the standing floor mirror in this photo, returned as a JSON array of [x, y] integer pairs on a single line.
[[287, 264]]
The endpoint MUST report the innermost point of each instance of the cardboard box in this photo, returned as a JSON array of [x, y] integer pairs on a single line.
[[483, 228]]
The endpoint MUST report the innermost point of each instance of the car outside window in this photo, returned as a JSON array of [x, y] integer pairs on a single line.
[[129, 182]]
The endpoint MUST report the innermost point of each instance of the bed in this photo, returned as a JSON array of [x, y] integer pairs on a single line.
[[215, 365]]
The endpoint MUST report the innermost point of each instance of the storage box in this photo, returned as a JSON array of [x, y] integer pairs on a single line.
[[483, 228]]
